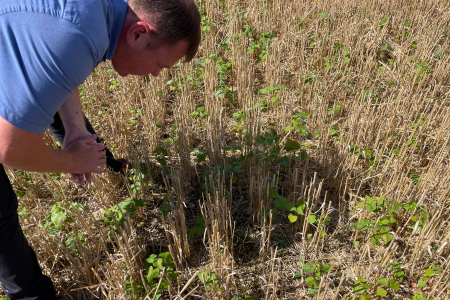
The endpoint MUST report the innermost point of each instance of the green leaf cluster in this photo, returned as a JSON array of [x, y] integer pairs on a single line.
[[199, 113], [260, 44], [152, 271], [317, 270], [210, 279], [389, 210], [430, 272], [196, 233], [58, 222], [361, 286], [115, 216]]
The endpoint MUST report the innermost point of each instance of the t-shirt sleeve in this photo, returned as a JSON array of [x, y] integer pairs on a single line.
[[43, 59]]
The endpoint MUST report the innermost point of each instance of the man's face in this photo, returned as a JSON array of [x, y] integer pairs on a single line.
[[141, 61]]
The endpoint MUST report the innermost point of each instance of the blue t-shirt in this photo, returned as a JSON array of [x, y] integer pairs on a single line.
[[47, 49]]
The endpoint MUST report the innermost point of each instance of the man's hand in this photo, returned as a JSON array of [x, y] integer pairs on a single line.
[[75, 128], [27, 151], [88, 155], [79, 136]]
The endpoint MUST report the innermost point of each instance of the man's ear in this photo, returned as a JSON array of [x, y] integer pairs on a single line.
[[138, 33]]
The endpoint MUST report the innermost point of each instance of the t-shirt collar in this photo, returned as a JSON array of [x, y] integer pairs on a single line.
[[119, 12]]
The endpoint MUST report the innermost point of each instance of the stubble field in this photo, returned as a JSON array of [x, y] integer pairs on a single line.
[[303, 154]]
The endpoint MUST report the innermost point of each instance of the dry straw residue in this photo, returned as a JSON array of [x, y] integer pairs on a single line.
[[304, 153]]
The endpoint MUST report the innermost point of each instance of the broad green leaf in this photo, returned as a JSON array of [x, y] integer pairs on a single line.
[[384, 230], [312, 219], [291, 145], [422, 282], [151, 258], [158, 263], [382, 281], [334, 129], [228, 169], [284, 161], [302, 115], [292, 218], [380, 201], [392, 219], [167, 258], [203, 276], [312, 282], [201, 158], [399, 274], [385, 47], [304, 154], [429, 272], [335, 110], [358, 288], [371, 206], [273, 193], [362, 225], [367, 152], [387, 237], [301, 204], [375, 239], [316, 133], [325, 268], [310, 268], [437, 269], [394, 285], [381, 292], [324, 14], [164, 285], [280, 202], [289, 205], [57, 217], [152, 273]]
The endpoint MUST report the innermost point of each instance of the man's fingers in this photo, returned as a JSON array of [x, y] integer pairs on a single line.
[[79, 178], [89, 139], [98, 147], [101, 158], [88, 177]]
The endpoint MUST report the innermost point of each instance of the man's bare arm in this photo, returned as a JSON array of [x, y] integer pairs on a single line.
[[74, 126], [72, 115], [27, 151]]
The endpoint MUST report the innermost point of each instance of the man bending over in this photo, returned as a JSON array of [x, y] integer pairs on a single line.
[[47, 49]]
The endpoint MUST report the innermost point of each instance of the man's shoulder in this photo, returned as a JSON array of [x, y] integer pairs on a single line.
[[47, 49], [89, 16]]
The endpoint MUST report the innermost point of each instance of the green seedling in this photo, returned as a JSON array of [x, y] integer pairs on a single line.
[[60, 221], [200, 113], [153, 270], [429, 273], [115, 216], [419, 296], [196, 233], [240, 298], [210, 280], [317, 270], [360, 287]]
